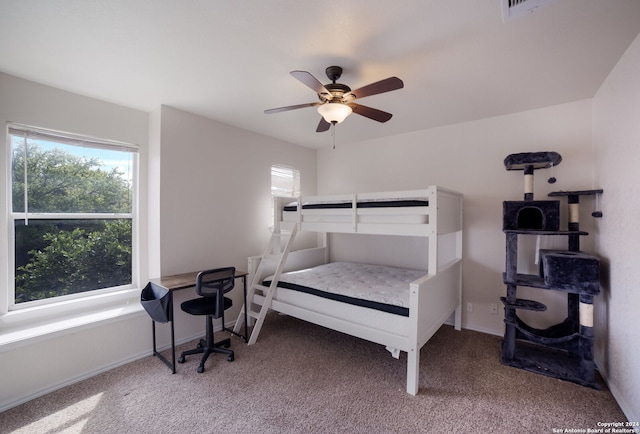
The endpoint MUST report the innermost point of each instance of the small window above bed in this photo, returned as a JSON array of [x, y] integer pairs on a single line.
[[285, 181]]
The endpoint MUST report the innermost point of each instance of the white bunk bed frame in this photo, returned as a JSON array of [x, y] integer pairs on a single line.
[[433, 298]]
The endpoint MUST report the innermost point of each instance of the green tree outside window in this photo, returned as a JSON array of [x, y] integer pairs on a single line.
[[56, 257]]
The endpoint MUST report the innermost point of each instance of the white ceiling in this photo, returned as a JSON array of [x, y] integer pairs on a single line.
[[230, 60]]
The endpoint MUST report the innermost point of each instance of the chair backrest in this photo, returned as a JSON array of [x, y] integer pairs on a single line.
[[210, 282]]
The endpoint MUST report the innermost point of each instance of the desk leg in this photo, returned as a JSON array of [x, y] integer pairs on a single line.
[[171, 365], [173, 342]]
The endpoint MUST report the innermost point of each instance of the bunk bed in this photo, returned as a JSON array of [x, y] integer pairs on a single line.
[[427, 298]]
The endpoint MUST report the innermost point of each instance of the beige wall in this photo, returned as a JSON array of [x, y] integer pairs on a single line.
[[215, 190], [616, 140], [73, 354], [469, 158], [205, 190]]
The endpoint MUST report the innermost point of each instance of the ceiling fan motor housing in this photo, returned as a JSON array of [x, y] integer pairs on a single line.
[[337, 90]]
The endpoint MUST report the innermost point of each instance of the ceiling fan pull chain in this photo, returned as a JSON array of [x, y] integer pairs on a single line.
[[333, 133]]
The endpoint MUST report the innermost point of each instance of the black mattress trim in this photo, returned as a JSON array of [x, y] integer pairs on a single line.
[[396, 310], [371, 204]]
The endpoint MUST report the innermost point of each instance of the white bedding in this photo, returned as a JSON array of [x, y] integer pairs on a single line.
[[377, 283]]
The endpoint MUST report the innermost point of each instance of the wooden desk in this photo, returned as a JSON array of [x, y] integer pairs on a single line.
[[183, 281]]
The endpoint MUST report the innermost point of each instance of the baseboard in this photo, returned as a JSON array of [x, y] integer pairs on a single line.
[[618, 396], [466, 326], [140, 355], [615, 392], [626, 409], [71, 381]]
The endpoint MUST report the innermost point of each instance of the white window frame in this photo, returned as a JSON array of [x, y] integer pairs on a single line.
[[283, 171], [63, 304], [286, 171]]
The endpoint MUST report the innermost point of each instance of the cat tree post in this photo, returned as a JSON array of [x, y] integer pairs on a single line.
[[564, 350]]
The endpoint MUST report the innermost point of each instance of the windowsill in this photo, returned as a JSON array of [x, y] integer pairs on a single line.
[[24, 327]]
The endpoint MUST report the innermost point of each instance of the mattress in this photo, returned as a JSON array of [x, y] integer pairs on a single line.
[[394, 211], [376, 287], [385, 203]]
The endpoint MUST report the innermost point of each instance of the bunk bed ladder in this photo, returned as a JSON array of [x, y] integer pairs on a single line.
[[275, 254]]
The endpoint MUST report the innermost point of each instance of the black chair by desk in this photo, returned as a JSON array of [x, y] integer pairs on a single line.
[[211, 285]]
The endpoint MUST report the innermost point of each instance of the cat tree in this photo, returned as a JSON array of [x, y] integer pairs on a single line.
[[564, 350]]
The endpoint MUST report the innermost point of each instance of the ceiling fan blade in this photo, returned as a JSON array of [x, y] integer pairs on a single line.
[[382, 86], [291, 107], [323, 126], [371, 113], [310, 81]]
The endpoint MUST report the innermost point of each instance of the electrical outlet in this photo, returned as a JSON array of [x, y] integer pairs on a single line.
[[469, 307], [494, 309]]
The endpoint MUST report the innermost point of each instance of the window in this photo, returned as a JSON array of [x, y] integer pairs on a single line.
[[285, 181], [72, 215]]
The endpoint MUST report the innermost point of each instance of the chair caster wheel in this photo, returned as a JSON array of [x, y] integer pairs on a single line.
[[181, 359], [230, 358], [200, 369]]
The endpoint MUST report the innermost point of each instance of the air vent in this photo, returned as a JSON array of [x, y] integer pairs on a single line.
[[516, 8]]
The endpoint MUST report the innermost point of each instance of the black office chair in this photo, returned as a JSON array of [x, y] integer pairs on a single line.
[[211, 285]]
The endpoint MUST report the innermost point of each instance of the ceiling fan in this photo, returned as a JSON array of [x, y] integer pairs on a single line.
[[336, 99]]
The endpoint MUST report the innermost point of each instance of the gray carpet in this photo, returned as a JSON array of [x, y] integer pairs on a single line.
[[302, 378]]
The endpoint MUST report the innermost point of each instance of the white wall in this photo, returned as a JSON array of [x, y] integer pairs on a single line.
[[32, 367], [616, 139], [469, 158], [215, 196], [191, 168]]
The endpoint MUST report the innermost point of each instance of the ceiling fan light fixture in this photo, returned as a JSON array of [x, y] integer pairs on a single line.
[[334, 112], [336, 99]]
